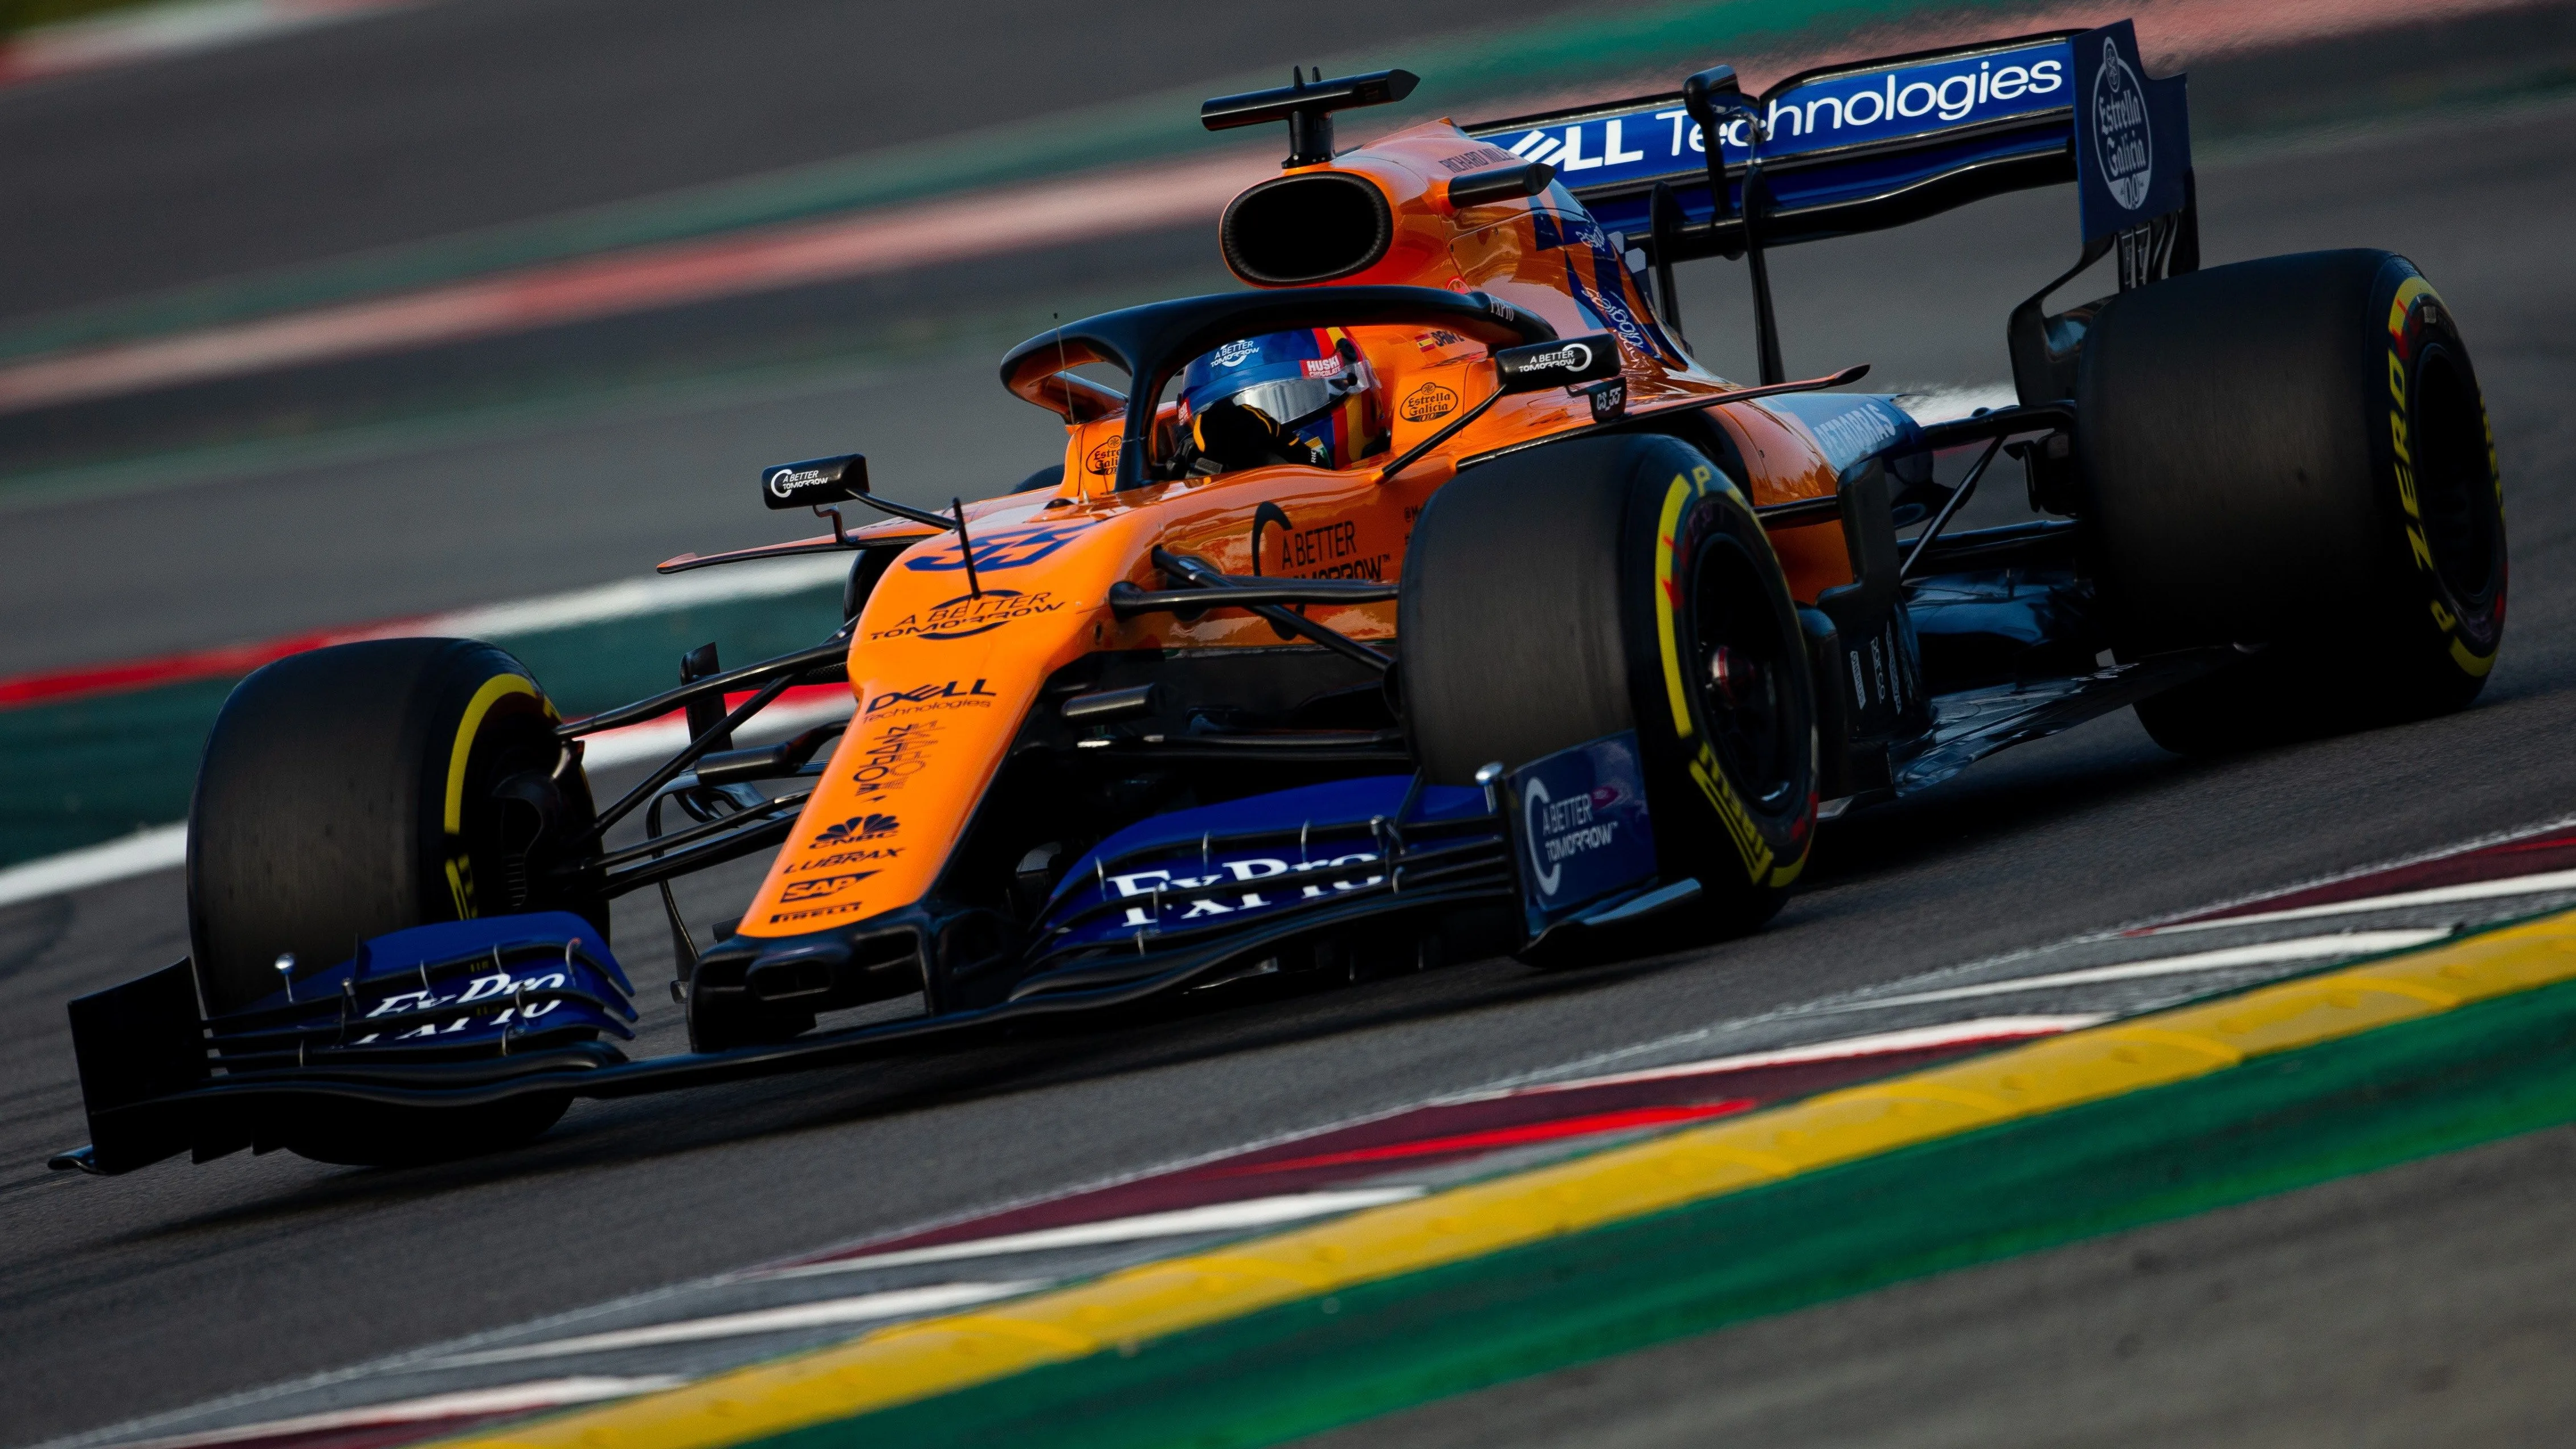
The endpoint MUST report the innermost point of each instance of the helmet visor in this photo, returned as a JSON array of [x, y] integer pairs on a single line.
[[1290, 401]]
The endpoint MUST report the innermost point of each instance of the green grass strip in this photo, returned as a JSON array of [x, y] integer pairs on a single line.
[[2468, 1076], [91, 770]]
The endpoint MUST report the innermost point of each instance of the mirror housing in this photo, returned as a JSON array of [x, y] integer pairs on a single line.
[[1563, 363], [1502, 183], [1713, 92], [815, 481]]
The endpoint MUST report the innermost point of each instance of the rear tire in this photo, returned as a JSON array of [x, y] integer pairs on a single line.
[[1575, 590], [366, 788], [2293, 453]]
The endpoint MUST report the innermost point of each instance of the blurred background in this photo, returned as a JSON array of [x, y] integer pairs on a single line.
[[327, 316]]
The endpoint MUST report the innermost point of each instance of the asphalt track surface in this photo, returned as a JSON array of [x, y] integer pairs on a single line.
[[122, 1297]]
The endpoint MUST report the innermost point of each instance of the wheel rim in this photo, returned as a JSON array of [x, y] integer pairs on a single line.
[[519, 805], [1744, 674], [2454, 484]]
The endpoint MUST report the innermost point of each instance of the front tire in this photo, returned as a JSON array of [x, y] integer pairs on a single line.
[[1610, 583], [366, 788], [2293, 453]]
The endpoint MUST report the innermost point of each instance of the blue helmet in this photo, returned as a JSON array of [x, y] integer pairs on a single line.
[[1306, 396]]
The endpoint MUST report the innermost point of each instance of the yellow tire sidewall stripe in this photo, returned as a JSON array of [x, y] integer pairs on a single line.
[[2409, 292], [1677, 495], [494, 690], [1703, 766], [458, 866]]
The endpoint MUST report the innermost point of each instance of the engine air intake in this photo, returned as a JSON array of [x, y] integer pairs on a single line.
[[1310, 228]]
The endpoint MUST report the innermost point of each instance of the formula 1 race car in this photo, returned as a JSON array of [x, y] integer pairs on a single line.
[[1425, 596]]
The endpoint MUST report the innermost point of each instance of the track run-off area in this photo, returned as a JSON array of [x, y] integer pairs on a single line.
[[2338, 1237]]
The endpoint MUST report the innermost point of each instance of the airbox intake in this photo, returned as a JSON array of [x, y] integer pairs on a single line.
[[1309, 228]]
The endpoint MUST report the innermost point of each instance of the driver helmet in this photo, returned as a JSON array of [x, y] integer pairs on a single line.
[[1306, 396]]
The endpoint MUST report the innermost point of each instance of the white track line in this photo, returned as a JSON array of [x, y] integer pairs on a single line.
[[508, 1399], [1258, 1212], [2484, 890], [2305, 948], [1916, 1038], [2452, 851], [163, 847], [865, 1308], [636, 598]]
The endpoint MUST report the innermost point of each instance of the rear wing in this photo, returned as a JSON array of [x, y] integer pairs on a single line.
[[1880, 143]]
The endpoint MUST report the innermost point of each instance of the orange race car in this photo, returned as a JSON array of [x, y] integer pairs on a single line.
[[1427, 595]]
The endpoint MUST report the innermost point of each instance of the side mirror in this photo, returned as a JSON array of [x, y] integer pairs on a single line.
[[1502, 183], [1568, 362], [1712, 91], [815, 481], [1562, 363]]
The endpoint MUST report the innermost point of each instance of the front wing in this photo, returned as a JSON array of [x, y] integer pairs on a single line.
[[472, 1013]]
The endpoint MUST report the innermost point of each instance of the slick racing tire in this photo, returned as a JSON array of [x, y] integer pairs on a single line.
[[366, 788], [2293, 453], [1611, 583]]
